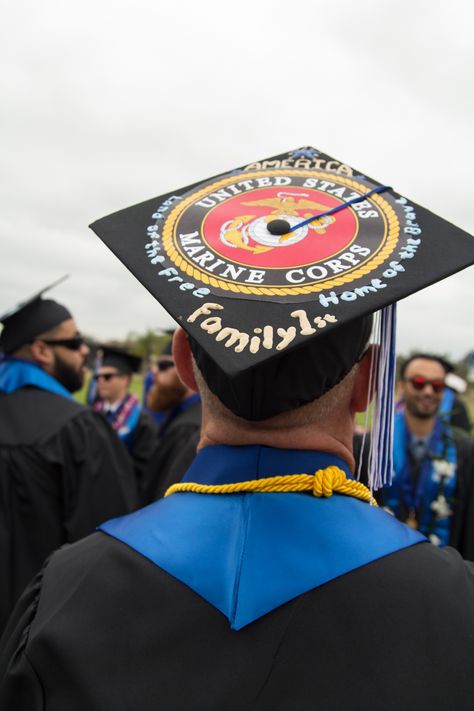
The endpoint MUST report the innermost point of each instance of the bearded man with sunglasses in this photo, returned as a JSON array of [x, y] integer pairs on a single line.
[[62, 470], [179, 430], [433, 486]]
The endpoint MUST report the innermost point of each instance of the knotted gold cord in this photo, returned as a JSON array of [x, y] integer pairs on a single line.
[[324, 482]]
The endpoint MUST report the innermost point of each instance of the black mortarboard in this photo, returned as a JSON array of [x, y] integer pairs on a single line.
[[30, 318], [125, 363], [276, 302]]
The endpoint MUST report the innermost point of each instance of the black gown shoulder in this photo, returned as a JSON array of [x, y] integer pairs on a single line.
[[174, 454], [62, 473], [107, 629]]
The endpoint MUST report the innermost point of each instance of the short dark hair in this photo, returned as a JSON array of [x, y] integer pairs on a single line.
[[446, 365]]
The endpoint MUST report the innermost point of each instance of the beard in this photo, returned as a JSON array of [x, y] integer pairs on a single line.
[[69, 377], [426, 413], [165, 397]]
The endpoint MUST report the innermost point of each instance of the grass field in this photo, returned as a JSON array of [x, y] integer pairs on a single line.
[[136, 388]]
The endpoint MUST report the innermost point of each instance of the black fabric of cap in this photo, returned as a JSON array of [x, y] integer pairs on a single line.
[[266, 267], [126, 363], [31, 320], [291, 380]]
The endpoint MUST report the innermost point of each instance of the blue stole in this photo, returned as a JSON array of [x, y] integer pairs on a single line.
[[437, 480], [16, 373], [247, 554], [447, 403], [127, 430]]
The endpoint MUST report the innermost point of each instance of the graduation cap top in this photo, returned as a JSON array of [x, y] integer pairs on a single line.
[[31, 317], [126, 363], [273, 268]]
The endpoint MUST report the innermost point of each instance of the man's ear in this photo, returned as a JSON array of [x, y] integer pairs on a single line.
[[360, 390], [183, 359], [42, 354]]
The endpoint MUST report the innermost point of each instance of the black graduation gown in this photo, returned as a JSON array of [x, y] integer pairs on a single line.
[[462, 525], [104, 628], [143, 446], [176, 450], [459, 416], [62, 472]]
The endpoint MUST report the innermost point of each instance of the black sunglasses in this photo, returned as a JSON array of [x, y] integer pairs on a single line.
[[74, 344], [106, 376], [163, 365]]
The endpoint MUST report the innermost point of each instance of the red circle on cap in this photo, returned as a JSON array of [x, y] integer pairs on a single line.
[[241, 224]]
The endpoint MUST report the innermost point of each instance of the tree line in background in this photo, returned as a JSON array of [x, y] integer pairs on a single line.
[[147, 344], [152, 343]]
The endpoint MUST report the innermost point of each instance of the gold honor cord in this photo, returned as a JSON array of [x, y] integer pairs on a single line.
[[324, 482]]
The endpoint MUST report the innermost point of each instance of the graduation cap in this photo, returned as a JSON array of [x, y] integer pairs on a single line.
[[28, 319], [274, 269], [124, 362]]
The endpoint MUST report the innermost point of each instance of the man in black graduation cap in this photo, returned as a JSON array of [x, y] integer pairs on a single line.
[[61, 469], [267, 579], [121, 408]]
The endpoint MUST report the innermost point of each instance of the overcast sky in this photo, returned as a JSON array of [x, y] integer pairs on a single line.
[[106, 103]]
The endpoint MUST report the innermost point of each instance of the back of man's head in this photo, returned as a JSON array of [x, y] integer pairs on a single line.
[[293, 379]]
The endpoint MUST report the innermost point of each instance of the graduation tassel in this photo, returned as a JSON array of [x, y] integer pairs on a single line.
[[382, 385]]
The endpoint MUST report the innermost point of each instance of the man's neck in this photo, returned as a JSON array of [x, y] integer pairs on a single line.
[[113, 404], [310, 438], [420, 427]]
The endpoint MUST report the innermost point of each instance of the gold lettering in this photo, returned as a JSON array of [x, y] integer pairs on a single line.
[[212, 325], [287, 335], [268, 337], [233, 335], [271, 164], [345, 170], [302, 163], [254, 344], [305, 327], [203, 310]]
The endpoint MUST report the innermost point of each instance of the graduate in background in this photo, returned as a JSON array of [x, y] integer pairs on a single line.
[[433, 483], [179, 429], [121, 408], [267, 579], [62, 471]]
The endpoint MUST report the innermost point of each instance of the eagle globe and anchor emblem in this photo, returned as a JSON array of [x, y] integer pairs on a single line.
[[271, 231], [272, 234]]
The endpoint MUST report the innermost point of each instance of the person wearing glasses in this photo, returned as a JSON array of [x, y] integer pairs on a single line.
[[433, 484], [121, 408], [178, 434], [267, 579], [62, 470]]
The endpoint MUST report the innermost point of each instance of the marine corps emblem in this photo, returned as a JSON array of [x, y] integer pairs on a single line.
[[302, 239], [279, 233]]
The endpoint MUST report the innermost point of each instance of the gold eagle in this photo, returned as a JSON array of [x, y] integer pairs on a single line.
[[288, 205]]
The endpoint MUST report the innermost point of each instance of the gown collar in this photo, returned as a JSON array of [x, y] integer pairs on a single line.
[[247, 554], [16, 373], [225, 465]]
